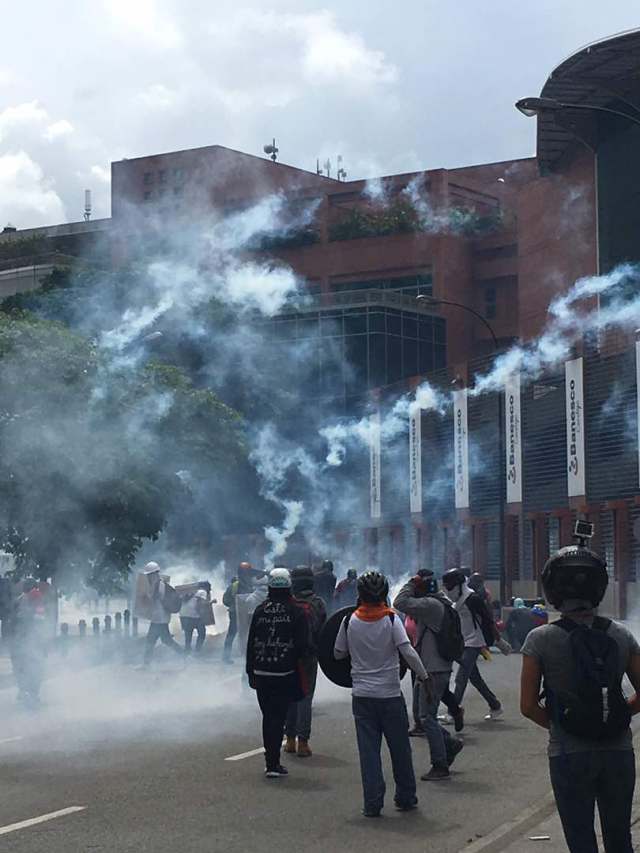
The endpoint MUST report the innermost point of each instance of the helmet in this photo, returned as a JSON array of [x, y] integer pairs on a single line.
[[476, 582], [279, 579], [352, 574], [244, 566], [574, 572], [201, 593], [518, 603], [151, 568], [302, 578], [327, 565], [373, 586], [453, 578]]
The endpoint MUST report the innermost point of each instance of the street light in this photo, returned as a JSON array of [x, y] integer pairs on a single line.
[[535, 106], [435, 301]]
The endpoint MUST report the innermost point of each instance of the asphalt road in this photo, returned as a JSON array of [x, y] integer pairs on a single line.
[[145, 754]]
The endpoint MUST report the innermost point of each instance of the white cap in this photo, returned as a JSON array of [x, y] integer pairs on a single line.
[[150, 568], [279, 579]]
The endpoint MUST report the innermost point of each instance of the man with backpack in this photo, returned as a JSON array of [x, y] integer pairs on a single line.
[[478, 631], [299, 715], [439, 643], [278, 644], [164, 602], [583, 658], [373, 636], [240, 585]]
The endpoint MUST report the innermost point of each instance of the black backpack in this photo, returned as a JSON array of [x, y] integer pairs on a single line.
[[449, 639], [482, 617], [595, 707]]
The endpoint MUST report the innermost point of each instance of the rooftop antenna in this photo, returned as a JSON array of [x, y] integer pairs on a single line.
[[319, 172], [272, 150], [87, 205], [342, 175], [327, 166]]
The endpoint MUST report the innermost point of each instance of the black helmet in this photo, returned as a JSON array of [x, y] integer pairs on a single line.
[[476, 581], [302, 579], [373, 586], [453, 578], [327, 565], [574, 572], [352, 574]]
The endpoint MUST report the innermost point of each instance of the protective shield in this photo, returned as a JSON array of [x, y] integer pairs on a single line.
[[339, 671]]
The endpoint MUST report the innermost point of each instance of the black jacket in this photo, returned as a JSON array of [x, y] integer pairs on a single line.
[[278, 639]]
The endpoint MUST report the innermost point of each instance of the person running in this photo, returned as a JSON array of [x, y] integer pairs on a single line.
[[277, 646], [583, 659], [240, 584], [478, 633], [160, 615], [439, 642], [373, 636], [192, 616]]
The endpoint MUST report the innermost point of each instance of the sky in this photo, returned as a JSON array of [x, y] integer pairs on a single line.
[[391, 85]]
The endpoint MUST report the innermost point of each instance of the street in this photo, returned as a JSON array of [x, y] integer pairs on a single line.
[[145, 755]]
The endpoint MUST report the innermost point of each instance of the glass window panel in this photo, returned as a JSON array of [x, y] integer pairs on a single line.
[[440, 330], [425, 328], [377, 361], [376, 322], [355, 324], [393, 323], [331, 326], [394, 359], [409, 357], [308, 327], [440, 353], [426, 360], [409, 326]]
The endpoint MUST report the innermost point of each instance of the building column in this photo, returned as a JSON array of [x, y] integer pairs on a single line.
[[622, 552], [540, 547]]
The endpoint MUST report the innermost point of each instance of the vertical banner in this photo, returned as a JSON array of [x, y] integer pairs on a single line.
[[461, 449], [415, 459], [374, 465], [576, 481], [513, 444], [638, 397]]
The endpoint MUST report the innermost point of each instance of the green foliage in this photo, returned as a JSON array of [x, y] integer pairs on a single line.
[[22, 247], [95, 456]]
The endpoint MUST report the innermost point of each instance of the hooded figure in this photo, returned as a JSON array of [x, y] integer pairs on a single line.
[[299, 716], [346, 593], [278, 644]]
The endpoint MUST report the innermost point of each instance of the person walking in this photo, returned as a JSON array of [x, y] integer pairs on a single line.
[[28, 642], [439, 643], [298, 725], [346, 592], [373, 636], [325, 584], [583, 659], [278, 644], [242, 584], [192, 616], [478, 631], [160, 614]]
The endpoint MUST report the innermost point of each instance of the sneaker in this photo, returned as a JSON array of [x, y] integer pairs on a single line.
[[458, 720], [436, 774], [276, 772], [446, 720], [406, 807], [304, 750], [371, 812], [417, 731], [290, 745], [498, 714], [455, 748]]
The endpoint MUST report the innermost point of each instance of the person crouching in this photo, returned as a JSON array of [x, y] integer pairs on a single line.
[[277, 645]]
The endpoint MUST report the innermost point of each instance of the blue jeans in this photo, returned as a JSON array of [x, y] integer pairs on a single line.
[[438, 737], [468, 671], [375, 718], [299, 713], [582, 779]]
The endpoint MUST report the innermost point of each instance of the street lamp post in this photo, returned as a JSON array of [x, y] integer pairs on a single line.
[[435, 300], [531, 107]]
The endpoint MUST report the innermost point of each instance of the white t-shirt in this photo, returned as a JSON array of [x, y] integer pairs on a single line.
[[373, 647]]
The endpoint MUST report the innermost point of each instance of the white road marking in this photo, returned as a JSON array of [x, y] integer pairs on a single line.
[[11, 739], [510, 828], [249, 754], [23, 824]]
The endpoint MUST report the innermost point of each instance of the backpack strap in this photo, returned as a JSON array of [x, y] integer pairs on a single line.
[[569, 625]]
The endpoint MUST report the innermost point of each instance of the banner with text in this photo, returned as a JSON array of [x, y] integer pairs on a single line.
[[461, 449], [576, 481], [514, 439], [415, 460], [374, 465]]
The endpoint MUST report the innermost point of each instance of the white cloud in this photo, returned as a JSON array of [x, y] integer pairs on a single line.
[[58, 129], [102, 173], [157, 97], [26, 196], [144, 19], [21, 116]]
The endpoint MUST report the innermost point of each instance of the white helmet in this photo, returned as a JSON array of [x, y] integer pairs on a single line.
[[279, 579]]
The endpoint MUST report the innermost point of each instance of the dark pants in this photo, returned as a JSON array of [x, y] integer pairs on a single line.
[[449, 701], [299, 714], [274, 698], [440, 741], [468, 671], [231, 634], [159, 631], [375, 718], [189, 625], [582, 779]]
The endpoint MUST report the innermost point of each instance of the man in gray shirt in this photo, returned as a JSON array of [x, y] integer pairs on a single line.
[[584, 770], [419, 599]]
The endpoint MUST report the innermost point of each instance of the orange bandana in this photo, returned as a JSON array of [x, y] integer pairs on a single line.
[[373, 612]]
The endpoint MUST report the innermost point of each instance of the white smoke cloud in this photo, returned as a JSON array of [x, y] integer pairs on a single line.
[[26, 195]]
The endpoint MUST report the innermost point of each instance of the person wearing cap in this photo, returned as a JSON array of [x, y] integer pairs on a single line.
[[583, 658], [299, 716], [277, 646], [160, 615], [192, 616], [373, 636]]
